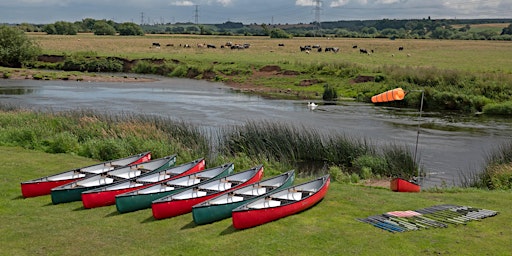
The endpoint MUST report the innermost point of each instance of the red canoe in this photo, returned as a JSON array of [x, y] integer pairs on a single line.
[[281, 203], [401, 185], [182, 202], [44, 185], [104, 196]]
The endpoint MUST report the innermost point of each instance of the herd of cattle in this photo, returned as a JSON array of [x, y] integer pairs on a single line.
[[306, 48], [205, 45]]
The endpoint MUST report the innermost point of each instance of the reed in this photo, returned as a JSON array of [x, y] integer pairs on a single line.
[[497, 172], [106, 136]]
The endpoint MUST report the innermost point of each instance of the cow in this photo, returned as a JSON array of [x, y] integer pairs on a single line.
[[363, 50], [156, 44], [210, 46], [332, 49], [280, 45], [401, 48], [354, 47]]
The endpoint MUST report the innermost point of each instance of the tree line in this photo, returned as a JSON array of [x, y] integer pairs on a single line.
[[385, 28]]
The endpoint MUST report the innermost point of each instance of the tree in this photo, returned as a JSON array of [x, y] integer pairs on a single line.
[[279, 33], [102, 28], [16, 48], [65, 28], [507, 30], [130, 29]]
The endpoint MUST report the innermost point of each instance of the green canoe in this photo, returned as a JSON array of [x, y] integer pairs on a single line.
[[220, 207], [142, 198], [73, 191]]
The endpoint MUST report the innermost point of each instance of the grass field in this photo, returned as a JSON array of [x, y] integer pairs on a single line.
[[475, 56], [34, 226]]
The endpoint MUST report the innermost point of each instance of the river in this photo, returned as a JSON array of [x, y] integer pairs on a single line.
[[449, 146]]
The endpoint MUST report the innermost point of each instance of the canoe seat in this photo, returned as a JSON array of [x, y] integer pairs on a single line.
[[188, 182], [232, 199], [291, 196], [265, 204], [255, 192], [199, 193]]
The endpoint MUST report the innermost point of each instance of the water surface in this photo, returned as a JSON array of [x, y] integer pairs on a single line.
[[448, 145]]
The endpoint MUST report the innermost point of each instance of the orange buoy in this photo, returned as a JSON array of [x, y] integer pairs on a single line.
[[391, 95]]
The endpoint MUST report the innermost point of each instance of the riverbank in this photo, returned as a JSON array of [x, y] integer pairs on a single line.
[[248, 86], [30, 225], [34, 74]]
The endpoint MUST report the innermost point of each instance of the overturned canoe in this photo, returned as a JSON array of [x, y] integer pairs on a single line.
[[182, 202], [73, 191], [220, 207], [402, 185], [142, 198], [280, 203], [106, 195], [43, 186]]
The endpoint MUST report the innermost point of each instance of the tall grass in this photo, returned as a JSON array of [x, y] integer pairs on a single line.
[[295, 145], [99, 135], [497, 173], [106, 136]]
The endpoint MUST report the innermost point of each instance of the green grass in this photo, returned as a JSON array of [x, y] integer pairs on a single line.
[[34, 226]]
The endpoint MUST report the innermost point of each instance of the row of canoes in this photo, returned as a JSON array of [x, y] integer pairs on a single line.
[[213, 194]]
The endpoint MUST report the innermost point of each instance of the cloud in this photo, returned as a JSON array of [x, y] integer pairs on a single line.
[[305, 2], [224, 2], [183, 3], [339, 3]]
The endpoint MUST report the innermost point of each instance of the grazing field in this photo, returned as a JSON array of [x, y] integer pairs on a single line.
[[470, 55], [34, 226]]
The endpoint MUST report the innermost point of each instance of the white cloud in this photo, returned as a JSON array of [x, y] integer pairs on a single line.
[[305, 2], [183, 3], [339, 3], [224, 2]]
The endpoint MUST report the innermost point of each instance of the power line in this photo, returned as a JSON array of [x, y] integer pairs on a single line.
[[196, 16]]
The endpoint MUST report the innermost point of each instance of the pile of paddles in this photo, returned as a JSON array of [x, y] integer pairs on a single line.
[[438, 216]]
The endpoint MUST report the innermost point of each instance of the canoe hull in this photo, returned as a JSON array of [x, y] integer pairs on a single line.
[[401, 185], [43, 186], [254, 217], [131, 202], [204, 214], [174, 207], [105, 198], [70, 193]]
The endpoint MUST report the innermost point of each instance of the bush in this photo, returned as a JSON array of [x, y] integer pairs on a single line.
[[279, 33], [78, 63], [15, 48], [504, 108], [374, 164], [130, 29], [102, 28], [330, 93]]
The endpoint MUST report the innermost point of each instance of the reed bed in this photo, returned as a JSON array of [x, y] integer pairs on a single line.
[[106, 136], [497, 172]]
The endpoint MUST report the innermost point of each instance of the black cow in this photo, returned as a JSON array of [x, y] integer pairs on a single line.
[[156, 44], [401, 48], [280, 45], [363, 50], [210, 46]]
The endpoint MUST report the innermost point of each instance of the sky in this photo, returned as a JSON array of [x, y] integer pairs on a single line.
[[247, 11]]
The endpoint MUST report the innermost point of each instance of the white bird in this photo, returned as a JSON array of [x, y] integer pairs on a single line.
[[312, 105]]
